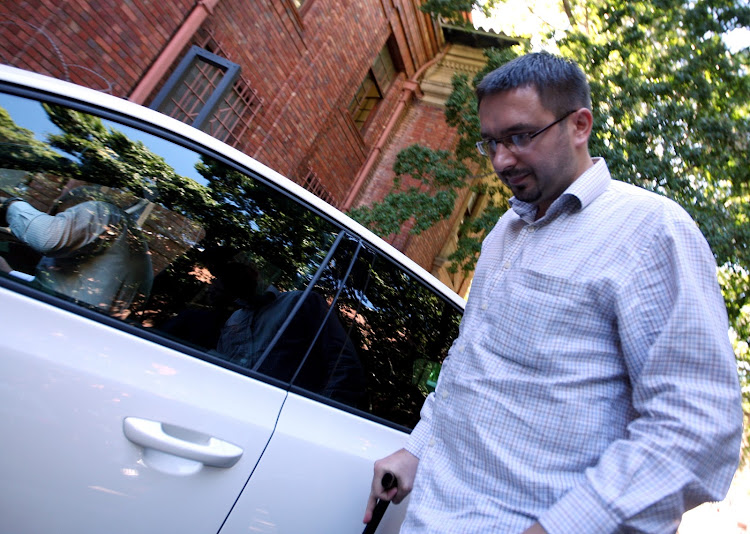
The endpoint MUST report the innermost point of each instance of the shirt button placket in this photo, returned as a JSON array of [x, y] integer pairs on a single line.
[[525, 232]]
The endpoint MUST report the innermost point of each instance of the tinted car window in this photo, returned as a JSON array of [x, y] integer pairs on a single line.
[[401, 330], [179, 243], [144, 230]]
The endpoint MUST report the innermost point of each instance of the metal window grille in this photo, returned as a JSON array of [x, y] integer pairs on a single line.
[[234, 114], [188, 97], [207, 92], [312, 183]]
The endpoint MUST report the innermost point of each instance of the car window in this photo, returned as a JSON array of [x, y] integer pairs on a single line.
[[401, 331], [187, 246], [138, 228]]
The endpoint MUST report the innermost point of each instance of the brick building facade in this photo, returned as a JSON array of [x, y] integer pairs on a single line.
[[324, 91]]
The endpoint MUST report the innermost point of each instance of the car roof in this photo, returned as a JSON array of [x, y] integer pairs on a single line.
[[53, 86]]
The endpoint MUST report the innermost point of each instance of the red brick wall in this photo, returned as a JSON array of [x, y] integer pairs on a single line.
[[306, 68], [423, 124], [104, 44]]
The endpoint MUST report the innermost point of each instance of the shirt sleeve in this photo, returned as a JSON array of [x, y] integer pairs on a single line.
[[66, 232], [420, 436], [683, 447]]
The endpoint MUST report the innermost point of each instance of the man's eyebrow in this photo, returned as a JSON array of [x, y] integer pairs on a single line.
[[516, 128], [520, 127]]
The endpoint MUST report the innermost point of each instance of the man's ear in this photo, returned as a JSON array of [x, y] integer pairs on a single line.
[[583, 122]]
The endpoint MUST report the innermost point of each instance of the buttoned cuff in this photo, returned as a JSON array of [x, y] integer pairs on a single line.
[[580, 511]]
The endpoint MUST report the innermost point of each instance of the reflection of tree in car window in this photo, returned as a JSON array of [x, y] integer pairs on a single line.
[[184, 221]]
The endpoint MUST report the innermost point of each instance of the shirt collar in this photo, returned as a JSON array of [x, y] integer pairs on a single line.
[[582, 192]]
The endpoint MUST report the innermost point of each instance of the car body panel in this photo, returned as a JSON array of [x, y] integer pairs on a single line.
[[68, 384], [308, 467]]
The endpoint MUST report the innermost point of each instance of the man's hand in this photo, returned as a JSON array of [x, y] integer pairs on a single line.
[[403, 465]]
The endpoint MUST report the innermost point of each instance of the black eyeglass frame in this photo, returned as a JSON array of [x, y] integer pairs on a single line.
[[515, 142]]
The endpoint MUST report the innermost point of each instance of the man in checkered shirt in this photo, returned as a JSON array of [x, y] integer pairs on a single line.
[[592, 387]]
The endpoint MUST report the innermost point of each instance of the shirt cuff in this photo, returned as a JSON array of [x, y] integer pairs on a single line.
[[20, 215], [4, 206], [418, 439], [580, 511]]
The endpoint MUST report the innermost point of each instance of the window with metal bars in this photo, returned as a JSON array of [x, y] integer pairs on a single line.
[[207, 92], [312, 183]]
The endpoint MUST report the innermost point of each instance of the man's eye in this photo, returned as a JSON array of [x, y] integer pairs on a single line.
[[520, 140]]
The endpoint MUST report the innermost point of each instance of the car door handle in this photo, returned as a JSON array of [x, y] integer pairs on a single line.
[[182, 442]]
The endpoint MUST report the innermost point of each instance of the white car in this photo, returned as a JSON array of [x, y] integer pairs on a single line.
[[190, 342]]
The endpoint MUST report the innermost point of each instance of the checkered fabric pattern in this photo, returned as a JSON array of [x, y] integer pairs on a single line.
[[593, 387]]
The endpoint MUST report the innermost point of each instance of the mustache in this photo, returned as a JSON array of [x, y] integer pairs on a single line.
[[514, 173]]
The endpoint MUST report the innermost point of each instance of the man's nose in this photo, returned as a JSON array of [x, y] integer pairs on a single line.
[[503, 158]]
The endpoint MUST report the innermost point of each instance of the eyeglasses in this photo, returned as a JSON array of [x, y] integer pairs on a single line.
[[515, 142]]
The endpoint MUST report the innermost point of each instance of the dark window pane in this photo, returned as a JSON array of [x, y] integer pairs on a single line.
[[332, 367], [383, 69], [364, 101], [401, 331], [160, 236]]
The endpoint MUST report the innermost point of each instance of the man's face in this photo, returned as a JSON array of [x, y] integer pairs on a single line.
[[540, 172]]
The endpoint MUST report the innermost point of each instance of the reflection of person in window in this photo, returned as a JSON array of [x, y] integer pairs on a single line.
[[331, 368], [92, 250], [201, 323]]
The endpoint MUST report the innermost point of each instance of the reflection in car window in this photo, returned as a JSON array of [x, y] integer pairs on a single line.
[[401, 331], [331, 365], [90, 245], [127, 235], [212, 258]]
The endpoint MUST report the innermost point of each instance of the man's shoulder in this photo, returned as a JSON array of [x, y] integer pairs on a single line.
[[630, 197]]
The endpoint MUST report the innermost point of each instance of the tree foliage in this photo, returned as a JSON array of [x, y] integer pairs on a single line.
[[451, 10], [432, 191]]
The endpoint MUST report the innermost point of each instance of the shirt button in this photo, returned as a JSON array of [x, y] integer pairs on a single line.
[[432, 442], [506, 265], [530, 229], [484, 305], [444, 394]]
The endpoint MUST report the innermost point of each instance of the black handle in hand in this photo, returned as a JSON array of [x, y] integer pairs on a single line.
[[388, 481]]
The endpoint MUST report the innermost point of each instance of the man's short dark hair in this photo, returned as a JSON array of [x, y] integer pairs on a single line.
[[561, 84]]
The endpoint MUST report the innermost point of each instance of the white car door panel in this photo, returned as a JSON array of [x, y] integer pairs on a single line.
[[315, 474], [107, 432]]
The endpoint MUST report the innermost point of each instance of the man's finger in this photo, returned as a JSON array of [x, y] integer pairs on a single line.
[[371, 502]]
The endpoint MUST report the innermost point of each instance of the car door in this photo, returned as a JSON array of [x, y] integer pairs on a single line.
[[125, 404], [104, 431], [315, 474]]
